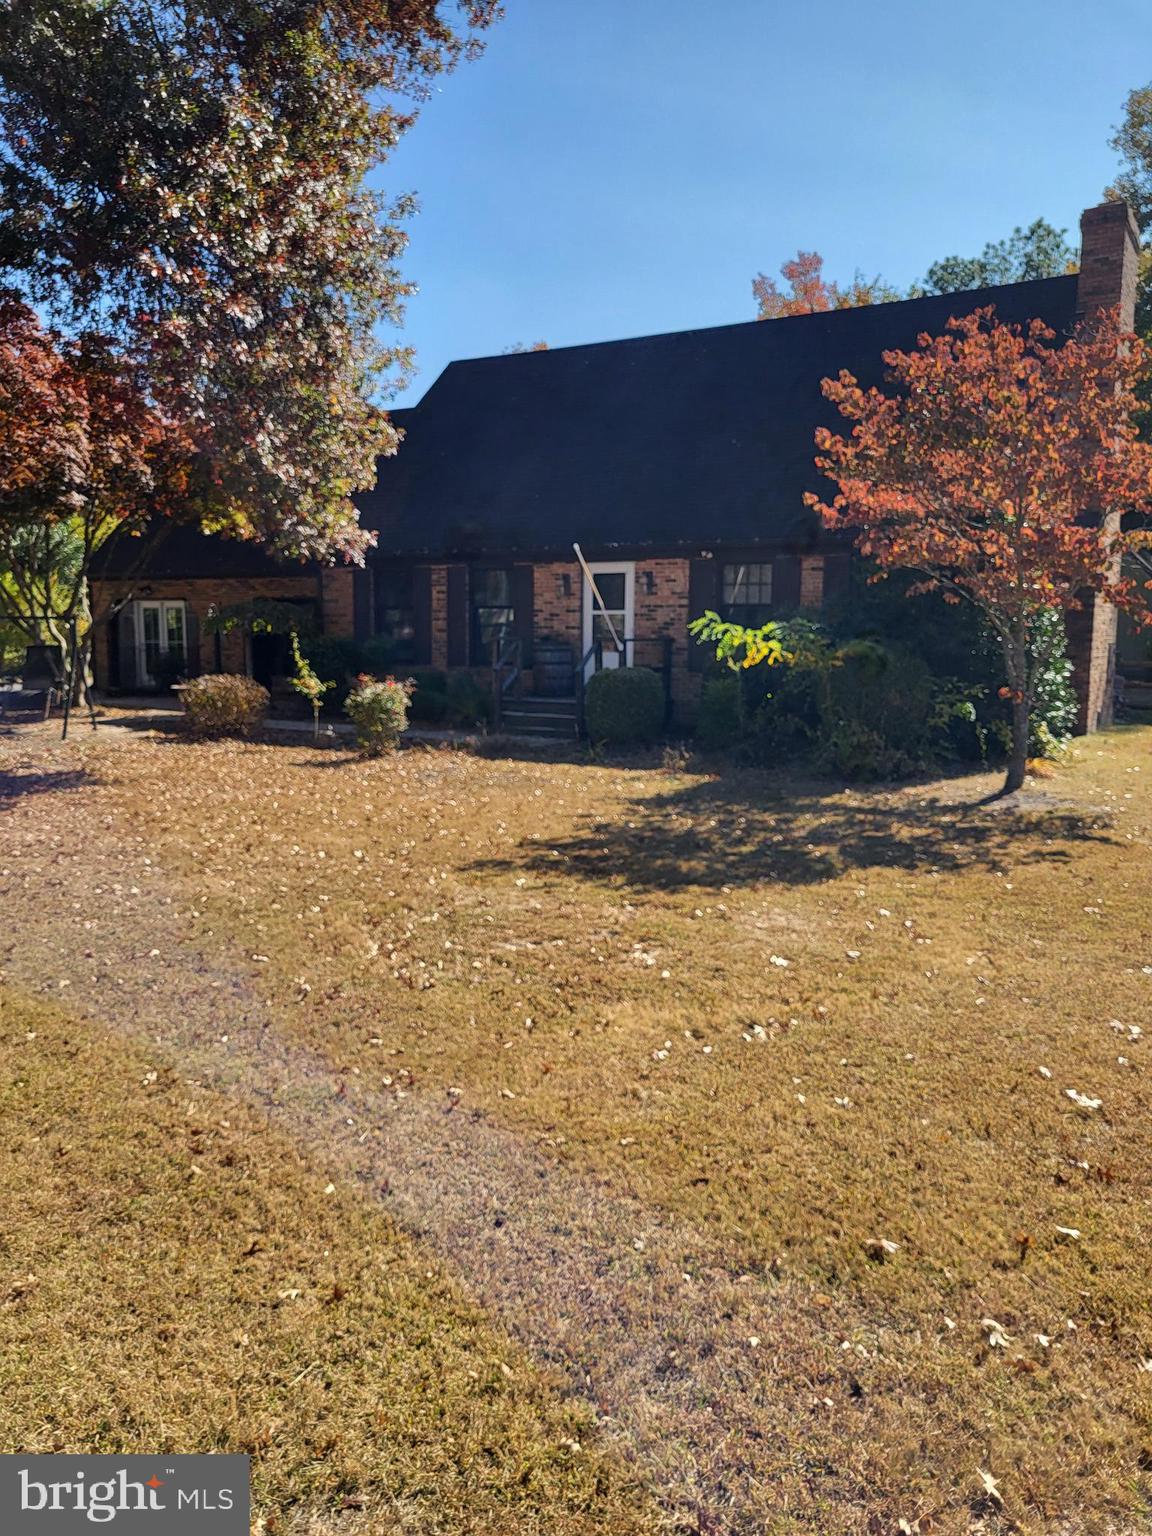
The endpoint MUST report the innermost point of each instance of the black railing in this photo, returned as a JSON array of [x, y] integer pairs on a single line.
[[506, 669]]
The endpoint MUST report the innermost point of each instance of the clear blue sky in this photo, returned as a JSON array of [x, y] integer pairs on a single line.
[[618, 167]]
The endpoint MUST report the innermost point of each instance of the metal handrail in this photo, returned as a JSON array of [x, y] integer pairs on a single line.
[[506, 670]]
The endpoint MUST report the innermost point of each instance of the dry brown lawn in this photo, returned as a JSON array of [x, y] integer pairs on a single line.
[[879, 1051], [176, 1277]]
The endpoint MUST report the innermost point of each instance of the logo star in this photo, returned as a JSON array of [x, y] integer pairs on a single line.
[[154, 1482]]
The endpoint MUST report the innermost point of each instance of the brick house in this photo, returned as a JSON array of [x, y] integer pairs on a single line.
[[162, 600], [677, 462]]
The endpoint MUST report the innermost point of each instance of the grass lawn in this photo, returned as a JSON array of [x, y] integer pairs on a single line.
[[175, 1277], [882, 1048]]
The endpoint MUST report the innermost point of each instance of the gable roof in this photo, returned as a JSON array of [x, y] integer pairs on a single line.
[[181, 551], [675, 440]]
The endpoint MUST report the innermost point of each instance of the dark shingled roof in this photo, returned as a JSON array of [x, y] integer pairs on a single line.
[[665, 441], [182, 551]]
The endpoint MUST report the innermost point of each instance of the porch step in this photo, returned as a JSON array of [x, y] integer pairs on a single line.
[[554, 718], [535, 704]]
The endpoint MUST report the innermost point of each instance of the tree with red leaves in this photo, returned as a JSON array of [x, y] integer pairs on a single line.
[[83, 455], [999, 467], [811, 292]]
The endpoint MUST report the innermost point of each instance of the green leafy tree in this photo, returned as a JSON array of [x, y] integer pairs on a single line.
[[1133, 142], [1040, 250], [190, 180], [736, 645]]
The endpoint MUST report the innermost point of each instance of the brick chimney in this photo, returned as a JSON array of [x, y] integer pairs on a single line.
[[1109, 262]]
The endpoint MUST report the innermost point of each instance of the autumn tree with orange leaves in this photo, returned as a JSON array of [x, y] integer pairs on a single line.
[[811, 292], [999, 467]]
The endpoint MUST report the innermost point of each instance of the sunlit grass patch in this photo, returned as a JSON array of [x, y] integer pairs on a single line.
[[175, 1277], [884, 1048]]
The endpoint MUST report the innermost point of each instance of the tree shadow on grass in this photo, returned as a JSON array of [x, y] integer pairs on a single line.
[[723, 833], [17, 786]]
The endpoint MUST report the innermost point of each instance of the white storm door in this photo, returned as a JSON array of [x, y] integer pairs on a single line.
[[609, 628]]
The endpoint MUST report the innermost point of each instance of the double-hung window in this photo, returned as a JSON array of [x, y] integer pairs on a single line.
[[746, 593], [493, 610]]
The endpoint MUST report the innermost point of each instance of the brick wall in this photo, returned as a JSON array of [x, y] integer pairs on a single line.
[[337, 601], [812, 581], [1109, 262], [557, 613], [661, 613], [1109, 267], [439, 616], [203, 593]]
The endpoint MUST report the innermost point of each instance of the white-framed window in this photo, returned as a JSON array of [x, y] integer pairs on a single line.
[[161, 641]]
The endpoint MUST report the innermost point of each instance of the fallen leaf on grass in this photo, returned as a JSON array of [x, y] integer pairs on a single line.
[[878, 1248], [991, 1487], [1082, 1100]]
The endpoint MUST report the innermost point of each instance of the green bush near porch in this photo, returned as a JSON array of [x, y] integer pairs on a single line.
[[430, 700], [624, 706]]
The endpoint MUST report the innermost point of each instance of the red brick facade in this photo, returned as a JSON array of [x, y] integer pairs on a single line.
[[1109, 267], [557, 603], [662, 612], [439, 656], [330, 590]]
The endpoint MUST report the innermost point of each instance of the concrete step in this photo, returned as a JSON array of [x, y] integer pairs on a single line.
[[524, 722], [536, 704]]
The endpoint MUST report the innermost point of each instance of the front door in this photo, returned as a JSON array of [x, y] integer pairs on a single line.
[[608, 623], [160, 632]]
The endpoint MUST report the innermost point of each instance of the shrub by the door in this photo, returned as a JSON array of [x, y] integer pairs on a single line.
[[624, 705], [225, 704]]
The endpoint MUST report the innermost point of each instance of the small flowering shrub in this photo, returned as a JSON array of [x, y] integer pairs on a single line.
[[379, 711], [224, 704]]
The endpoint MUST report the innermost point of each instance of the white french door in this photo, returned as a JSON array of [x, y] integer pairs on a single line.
[[161, 630], [608, 627]]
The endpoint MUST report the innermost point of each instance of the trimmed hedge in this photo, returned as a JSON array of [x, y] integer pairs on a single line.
[[624, 706], [224, 704]]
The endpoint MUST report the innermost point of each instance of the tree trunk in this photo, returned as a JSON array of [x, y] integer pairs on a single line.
[[1019, 680], [1018, 757]]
